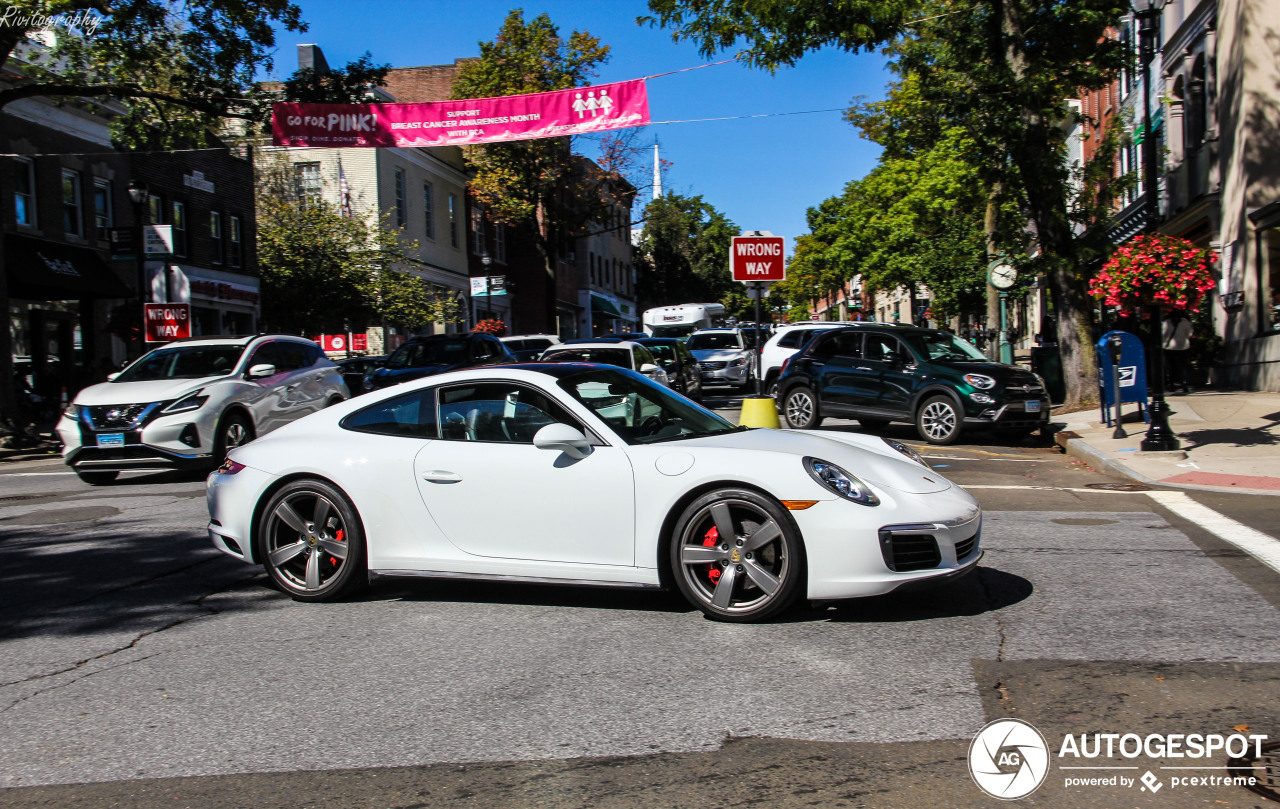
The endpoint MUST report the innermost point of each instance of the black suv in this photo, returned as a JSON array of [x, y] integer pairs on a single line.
[[932, 378], [435, 354]]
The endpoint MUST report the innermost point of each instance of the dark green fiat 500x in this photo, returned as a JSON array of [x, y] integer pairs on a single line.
[[931, 378]]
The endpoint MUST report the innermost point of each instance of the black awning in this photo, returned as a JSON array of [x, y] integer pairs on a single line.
[[52, 271]]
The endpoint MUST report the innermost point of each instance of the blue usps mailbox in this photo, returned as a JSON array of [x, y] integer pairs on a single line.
[[1133, 374]]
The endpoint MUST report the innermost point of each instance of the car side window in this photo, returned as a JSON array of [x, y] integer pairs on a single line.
[[501, 412], [848, 343], [412, 415], [482, 350], [882, 347], [791, 340], [267, 354], [643, 357]]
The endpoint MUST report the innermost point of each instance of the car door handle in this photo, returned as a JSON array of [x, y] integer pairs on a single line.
[[817, 364], [441, 476], [862, 368]]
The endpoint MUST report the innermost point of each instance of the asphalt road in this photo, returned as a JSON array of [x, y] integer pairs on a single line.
[[140, 668]]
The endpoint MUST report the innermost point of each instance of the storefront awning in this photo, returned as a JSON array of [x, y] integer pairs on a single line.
[[51, 271], [602, 304]]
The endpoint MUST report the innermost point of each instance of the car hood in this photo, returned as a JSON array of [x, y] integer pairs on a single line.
[[867, 457], [718, 354], [159, 390], [998, 371]]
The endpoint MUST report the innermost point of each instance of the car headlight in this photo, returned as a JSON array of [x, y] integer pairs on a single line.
[[739, 362], [982, 398], [72, 412], [905, 450], [841, 482], [192, 401], [980, 381]]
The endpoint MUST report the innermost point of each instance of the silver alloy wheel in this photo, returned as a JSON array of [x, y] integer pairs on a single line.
[[234, 434], [938, 420], [306, 540], [743, 565], [799, 409]]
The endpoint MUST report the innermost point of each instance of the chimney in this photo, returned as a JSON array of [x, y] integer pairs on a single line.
[[310, 56]]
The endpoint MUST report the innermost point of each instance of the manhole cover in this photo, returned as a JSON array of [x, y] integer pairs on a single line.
[[1263, 770], [1119, 487]]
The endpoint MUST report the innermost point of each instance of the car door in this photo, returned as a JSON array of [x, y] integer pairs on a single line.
[[312, 367], [884, 375], [494, 494], [834, 360], [692, 377]]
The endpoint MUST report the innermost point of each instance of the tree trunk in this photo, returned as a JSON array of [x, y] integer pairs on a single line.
[[991, 226]]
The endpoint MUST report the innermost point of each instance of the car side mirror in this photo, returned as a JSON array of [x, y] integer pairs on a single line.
[[561, 437], [648, 368], [259, 371]]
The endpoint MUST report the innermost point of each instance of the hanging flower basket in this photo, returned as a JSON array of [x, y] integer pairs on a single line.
[[1155, 270], [492, 326]]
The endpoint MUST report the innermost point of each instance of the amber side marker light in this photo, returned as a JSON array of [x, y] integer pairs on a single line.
[[798, 505]]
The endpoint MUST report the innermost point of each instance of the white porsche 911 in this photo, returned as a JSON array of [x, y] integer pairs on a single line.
[[585, 474]]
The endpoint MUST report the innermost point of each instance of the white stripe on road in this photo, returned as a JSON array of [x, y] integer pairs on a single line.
[[1264, 548], [31, 474], [1048, 489]]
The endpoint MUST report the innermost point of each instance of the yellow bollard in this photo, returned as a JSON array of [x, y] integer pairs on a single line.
[[759, 411]]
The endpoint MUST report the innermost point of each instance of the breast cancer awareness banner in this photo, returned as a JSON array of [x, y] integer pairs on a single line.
[[464, 123]]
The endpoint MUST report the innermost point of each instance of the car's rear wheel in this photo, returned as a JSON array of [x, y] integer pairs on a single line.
[[311, 542], [97, 478], [939, 420], [234, 431], [800, 409], [737, 556]]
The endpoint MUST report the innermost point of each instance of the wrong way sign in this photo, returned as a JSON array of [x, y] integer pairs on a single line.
[[757, 258], [167, 321]]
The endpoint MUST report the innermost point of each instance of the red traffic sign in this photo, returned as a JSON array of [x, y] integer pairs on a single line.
[[757, 258], [166, 321]]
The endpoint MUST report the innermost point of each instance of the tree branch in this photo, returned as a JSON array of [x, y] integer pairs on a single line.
[[36, 90]]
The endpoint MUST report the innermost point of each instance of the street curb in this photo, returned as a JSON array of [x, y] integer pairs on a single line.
[[1075, 446]]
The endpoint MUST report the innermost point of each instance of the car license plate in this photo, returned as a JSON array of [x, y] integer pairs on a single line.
[[111, 440], [1033, 407]]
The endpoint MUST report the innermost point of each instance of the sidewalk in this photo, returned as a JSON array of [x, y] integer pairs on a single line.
[[1230, 443]]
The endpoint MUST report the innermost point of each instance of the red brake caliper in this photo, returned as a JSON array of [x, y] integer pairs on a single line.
[[709, 540], [341, 535]]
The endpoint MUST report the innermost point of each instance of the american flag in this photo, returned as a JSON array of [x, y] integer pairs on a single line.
[[344, 191]]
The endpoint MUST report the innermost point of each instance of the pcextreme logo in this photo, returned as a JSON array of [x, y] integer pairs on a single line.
[[1008, 759]]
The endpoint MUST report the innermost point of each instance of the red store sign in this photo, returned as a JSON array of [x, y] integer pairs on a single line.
[[166, 321]]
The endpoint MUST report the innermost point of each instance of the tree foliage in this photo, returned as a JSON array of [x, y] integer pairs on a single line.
[[685, 251]]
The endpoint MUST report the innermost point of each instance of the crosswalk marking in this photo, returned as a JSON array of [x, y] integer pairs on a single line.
[[1253, 542]]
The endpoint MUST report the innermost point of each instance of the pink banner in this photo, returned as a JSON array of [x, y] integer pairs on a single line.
[[464, 123]]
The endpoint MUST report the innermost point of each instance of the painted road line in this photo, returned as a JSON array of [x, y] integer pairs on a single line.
[[31, 474], [998, 458], [1264, 548], [1047, 489]]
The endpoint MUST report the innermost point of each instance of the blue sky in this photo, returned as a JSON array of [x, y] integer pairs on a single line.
[[760, 172]]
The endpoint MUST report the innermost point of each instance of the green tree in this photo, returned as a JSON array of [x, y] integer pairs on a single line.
[[685, 251], [537, 181], [184, 68], [1000, 69]]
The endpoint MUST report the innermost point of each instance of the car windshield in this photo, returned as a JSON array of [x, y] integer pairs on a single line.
[[939, 345], [714, 340], [431, 352], [642, 411], [665, 354], [183, 362], [620, 357]]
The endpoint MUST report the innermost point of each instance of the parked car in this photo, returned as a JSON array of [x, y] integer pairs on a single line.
[[723, 356], [185, 404], [786, 341], [678, 362], [355, 369], [621, 353], [931, 378], [528, 347], [437, 353], [622, 483]]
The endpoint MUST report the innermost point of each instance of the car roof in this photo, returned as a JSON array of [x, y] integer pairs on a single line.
[[600, 342], [236, 339], [530, 337]]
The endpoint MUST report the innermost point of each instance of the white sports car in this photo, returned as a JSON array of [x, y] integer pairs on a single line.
[[585, 474]]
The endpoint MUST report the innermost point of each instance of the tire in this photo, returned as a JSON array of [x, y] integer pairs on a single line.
[[97, 478], [771, 386], [234, 431], [939, 421], [800, 409], [752, 575], [311, 542], [873, 424]]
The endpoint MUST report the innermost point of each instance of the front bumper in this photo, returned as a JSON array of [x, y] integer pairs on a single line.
[[178, 441], [727, 375], [1020, 414]]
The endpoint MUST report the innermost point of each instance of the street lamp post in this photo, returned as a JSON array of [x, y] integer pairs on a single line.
[[1159, 437], [138, 193], [485, 261]]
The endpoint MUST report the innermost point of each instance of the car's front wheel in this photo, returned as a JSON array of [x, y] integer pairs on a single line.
[[234, 431], [311, 542], [800, 409], [737, 556], [939, 420]]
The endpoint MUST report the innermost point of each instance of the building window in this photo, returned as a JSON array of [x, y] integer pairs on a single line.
[[24, 193], [102, 217], [306, 181], [429, 210], [155, 207], [402, 213], [500, 242], [1270, 264], [237, 242], [72, 217], [179, 228], [453, 220], [477, 231], [215, 233]]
